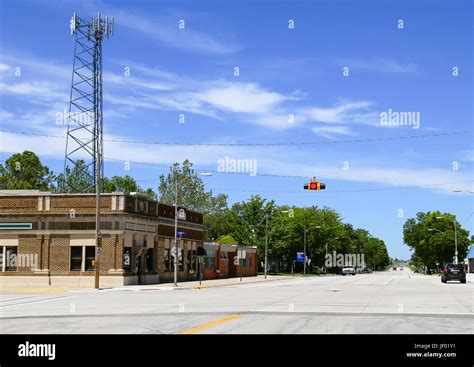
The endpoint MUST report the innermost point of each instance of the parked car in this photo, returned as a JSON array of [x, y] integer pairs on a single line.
[[366, 270], [394, 268], [348, 270], [453, 272]]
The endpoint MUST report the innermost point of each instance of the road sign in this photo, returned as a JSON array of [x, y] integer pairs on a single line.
[[300, 257], [180, 234], [175, 251]]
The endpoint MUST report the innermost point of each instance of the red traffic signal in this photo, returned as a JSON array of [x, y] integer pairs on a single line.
[[315, 185]]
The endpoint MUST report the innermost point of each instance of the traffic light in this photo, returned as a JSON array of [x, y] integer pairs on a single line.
[[315, 185], [201, 251]]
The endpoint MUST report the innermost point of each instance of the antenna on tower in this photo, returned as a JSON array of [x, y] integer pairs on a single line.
[[83, 165]]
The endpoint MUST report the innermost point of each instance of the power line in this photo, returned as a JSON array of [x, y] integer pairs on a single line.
[[212, 171], [345, 191], [323, 142]]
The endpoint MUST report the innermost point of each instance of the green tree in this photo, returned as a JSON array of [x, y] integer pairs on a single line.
[[191, 191], [78, 179], [227, 239], [432, 238], [24, 171], [126, 184]]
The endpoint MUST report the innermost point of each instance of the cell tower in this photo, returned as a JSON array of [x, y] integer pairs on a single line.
[[84, 133]]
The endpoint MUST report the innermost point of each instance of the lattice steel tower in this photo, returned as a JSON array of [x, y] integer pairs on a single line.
[[84, 134]]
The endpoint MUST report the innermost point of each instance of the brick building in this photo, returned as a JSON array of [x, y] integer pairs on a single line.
[[229, 261], [48, 239]]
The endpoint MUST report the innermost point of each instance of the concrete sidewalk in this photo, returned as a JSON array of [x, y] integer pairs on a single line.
[[204, 284], [150, 287]]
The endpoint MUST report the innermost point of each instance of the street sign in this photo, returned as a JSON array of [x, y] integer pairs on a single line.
[[175, 252], [16, 225], [300, 257], [180, 234]]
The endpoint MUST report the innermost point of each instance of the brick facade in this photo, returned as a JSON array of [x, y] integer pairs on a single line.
[[60, 222]]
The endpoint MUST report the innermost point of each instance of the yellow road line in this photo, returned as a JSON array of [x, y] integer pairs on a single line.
[[211, 324], [41, 291]]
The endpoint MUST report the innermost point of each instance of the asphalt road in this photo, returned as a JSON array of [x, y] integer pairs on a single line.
[[388, 302]]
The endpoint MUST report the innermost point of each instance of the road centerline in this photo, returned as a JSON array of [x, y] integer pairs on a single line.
[[211, 324]]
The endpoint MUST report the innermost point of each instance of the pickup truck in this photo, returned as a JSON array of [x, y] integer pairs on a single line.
[[348, 270]]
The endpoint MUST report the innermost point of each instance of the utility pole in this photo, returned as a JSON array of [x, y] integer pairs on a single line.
[[304, 253], [266, 245], [175, 236], [98, 236]]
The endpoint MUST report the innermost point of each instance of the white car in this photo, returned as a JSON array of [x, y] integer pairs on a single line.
[[348, 270]]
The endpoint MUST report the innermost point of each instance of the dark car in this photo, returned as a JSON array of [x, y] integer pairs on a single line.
[[453, 272]]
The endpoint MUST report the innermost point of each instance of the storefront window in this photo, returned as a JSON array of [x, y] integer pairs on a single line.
[[150, 259], [90, 257], [76, 258], [181, 260], [80, 255], [166, 257], [127, 259], [210, 260], [191, 260], [11, 258]]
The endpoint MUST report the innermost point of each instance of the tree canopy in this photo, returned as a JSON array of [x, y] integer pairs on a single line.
[[431, 236]]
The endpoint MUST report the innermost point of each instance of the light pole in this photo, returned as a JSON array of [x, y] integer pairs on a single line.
[[459, 190], [304, 248], [455, 238], [176, 251], [266, 246], [435, 230]]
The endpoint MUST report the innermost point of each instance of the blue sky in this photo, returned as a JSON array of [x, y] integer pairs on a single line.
[[283, 72]]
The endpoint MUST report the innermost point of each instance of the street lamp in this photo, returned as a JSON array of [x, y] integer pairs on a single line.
[[455, 238], [304, 249], [459, 190], [176, 251]]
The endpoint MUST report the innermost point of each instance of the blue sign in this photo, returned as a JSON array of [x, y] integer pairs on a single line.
[[300, 257], [180, 233]]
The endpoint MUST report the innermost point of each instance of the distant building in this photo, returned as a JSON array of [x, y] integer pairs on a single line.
[[229, 261], [470, 259]]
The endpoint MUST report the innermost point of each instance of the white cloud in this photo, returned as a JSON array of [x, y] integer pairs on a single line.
[[351, 111], [4, 67], [39, 90], [380, 65], [165, 30], [241, 98]]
